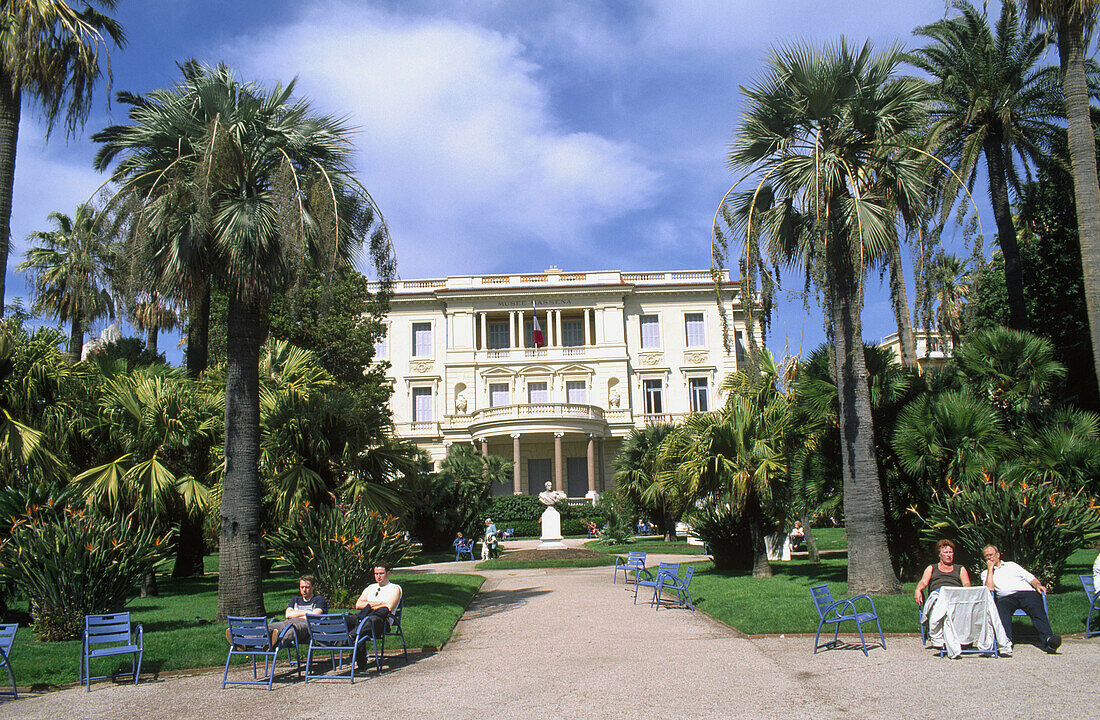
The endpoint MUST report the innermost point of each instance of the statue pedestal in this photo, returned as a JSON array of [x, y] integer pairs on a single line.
[[551, 530]]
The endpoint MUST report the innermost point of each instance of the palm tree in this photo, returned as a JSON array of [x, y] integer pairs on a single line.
[[71, 271], [265, 187], [824, 129], [636, 475], [51, 51], [991, 98], [152, 314], [1072, 21], [950, 283]]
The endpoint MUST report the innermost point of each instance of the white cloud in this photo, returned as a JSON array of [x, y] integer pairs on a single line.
[[459, 142]]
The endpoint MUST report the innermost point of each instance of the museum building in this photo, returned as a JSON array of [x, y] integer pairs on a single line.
[[553, 370]]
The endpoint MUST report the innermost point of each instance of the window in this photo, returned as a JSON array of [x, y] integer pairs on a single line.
[[572, 333], [382, 346], [697, 394], [576, 392], [422, 339], [654, 395], [742, 353], [651, 333], [498, 394], [422, 404], [695, 330], [537, 392], [498, 335]]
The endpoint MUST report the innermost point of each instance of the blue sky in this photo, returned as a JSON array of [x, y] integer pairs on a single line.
[[497, 136]]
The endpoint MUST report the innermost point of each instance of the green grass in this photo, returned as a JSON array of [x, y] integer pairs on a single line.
[[180, 634], [831, 538], [781, 604], [503, 564], [647, 546], [423, 558]]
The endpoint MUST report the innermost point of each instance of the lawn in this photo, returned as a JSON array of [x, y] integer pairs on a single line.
[[648, 546], [831, 538], [180, 634], [505, 564], [781, 604]]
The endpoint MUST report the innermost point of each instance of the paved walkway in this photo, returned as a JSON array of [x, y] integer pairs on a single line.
[[568, 643]]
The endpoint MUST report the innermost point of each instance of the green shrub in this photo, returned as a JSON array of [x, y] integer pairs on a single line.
[[339, 546], [1031, 523], [72, 563], [726, 534], [507, 508]]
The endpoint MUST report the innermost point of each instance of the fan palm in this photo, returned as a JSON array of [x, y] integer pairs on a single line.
[[950, 283], [71, 271], [1071, 21], [636, 475], [824, 128], [264, 187], [992, 98], [51, 51]]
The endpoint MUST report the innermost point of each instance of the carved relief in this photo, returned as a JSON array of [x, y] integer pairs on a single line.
[[650, 359], [421, 367], [460, 403], [613, 398], [695, 358]]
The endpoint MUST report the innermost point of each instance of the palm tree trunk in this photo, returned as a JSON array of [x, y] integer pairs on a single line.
[[1082, 152], [869, 567], [760, 565], [189, 547], [198, 334], [811, 541], [151, 339], [900, 300], [76, 338], [1006, 231], [239, 588], [9, 136]]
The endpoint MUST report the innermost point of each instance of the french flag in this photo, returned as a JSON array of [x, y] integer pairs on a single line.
[[540, 341]]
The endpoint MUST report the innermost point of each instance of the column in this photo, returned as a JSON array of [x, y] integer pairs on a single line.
[[511, 328], [515, 464], [484, 332], [600, 461], [484, 446], [591, 465], [557, 317], [558, 470], [587, 323]]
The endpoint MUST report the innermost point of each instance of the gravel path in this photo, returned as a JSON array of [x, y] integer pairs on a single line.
[[568, 643]]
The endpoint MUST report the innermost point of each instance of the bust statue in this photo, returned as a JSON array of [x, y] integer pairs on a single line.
[[550, 497], [613, 398], [460, 403]]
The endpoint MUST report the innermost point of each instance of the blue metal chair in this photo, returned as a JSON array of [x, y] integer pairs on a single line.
[[7, 637], [838, 611], [646, 578], [330, 633], [1094, 603], [464, 547], [679, 586], [251, 636], [635, 561], [509, 533], [107, 635], [391, 630], [1020, 613]]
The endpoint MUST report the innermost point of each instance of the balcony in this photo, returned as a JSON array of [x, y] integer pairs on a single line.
[[419, 429], [537, 417]]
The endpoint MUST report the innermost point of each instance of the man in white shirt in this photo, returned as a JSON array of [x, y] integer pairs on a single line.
[[377, 603], [1015, 588]]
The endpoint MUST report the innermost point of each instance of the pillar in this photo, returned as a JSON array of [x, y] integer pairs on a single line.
[[591, 465], [558, 470], [587, 324], [484, 446], [484, 332], [557, 332], [515, 464]]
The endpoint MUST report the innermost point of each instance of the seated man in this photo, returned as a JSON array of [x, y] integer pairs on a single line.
[[306, 602], [1014, 588], [378, 603]]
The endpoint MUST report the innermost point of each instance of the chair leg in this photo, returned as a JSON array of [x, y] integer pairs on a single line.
[[11, 676], [881, 637], [862, 640], [817, 637], [225, 676], [137, 670]]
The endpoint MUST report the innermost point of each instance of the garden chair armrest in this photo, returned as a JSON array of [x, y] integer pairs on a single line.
[[140, 635], [287, 629], [868, 599], [833, 608]]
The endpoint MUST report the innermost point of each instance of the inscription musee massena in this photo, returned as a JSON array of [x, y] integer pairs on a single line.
[[539, 302]]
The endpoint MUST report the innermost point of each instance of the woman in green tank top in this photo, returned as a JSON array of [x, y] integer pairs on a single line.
[[945, 573]]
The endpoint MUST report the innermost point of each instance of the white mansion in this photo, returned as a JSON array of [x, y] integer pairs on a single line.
[[618, 350]]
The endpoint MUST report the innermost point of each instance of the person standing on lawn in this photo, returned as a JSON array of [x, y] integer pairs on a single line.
[[1015, 588]]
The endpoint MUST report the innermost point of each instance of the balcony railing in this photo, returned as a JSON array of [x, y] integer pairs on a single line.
[[538, 410], [419, 429]]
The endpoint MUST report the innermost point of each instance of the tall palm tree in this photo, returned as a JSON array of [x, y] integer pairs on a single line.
[[636, 475], [950, 283], [70, 265], [823, 128], [266, 187], [1071, 21], [152, 314], [51, 51], [991, 98]]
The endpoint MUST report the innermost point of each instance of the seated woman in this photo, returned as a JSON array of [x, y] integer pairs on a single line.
[[945, 573], [798, 535]]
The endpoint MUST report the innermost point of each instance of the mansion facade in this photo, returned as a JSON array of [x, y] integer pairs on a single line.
[[553, 370]]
